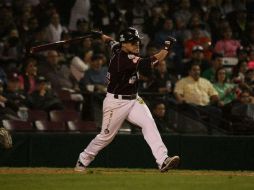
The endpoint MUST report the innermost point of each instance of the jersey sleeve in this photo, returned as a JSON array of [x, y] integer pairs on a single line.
[[114, 45], [147, 62]]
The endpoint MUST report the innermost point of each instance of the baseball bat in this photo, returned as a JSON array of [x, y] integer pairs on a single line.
[[54, 45]]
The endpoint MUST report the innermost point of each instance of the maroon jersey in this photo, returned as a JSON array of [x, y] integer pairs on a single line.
[[122, 73]]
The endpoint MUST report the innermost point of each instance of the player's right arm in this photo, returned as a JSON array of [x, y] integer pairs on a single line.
[[161, 55], [105, 38], [114, 45]]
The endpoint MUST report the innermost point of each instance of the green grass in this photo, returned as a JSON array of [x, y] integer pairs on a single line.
[[127, 179]]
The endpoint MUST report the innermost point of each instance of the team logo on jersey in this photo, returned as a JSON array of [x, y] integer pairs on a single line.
[[132, 80]]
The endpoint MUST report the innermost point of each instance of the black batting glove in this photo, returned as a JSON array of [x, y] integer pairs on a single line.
[[169, 42]]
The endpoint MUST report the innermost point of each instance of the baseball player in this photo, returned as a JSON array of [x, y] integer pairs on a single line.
[[123, 102]]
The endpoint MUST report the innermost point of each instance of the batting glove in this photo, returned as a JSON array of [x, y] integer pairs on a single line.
[[169, 42]]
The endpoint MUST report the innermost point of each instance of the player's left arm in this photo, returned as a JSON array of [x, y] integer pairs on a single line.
[[162, 54]]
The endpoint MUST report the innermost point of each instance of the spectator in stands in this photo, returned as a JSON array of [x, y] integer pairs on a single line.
[[166, 30], [249, 79], [136, 14], [56, 72], [104, 15], [227, 45], [196, 21], [13, 92], [246, 97], [227, 7], [239, 71], [242, 53], [85, 46], [78, 68], [43, 98], [239, 23], [197, 57], [182, 33], [213, 20], [241, 112], [6, 107], [197, 97], [66, 51], [10, 49], [158, 109], [216, 63], [7, 19], [163, 81], [87, 57], [38, 37], [83, 27], [194, 89], [55, 28], [226, 90], [95, 76], [153, 22], [28, 75], [184, 10], [79, 11], [197, 39]]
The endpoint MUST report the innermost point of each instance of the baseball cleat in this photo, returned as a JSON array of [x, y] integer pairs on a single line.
[[80, 167], [170, 163]]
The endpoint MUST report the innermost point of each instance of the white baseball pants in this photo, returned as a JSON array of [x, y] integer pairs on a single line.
[[115, 111]]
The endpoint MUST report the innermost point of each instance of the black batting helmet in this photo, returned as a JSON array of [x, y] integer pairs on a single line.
[[128, 35]]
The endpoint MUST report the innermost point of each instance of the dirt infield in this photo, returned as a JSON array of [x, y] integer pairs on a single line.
[[110, 171]]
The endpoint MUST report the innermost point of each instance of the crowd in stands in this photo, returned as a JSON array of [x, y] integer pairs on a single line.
[[209, 70]]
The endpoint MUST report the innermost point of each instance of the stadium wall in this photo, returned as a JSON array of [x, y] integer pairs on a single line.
[[197, 152]]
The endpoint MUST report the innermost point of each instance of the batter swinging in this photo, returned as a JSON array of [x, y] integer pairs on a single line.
[[122, 101]]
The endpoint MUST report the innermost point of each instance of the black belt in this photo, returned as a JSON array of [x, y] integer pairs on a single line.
[[125, 97]]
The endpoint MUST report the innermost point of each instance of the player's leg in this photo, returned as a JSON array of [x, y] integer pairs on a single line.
[[114, 113], [141, 116]]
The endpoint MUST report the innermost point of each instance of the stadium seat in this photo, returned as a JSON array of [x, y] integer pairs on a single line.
[[37, 115], [50, 126], [64, 115], [82, 126], [18, 126], [69, 99]]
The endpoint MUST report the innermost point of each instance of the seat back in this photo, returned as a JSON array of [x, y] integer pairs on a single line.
[[64, 115], [52, 126], [17, 125], [82, 126]]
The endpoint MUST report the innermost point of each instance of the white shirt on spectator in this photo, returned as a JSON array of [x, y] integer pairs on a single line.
[[53, 33], [80, 10]]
